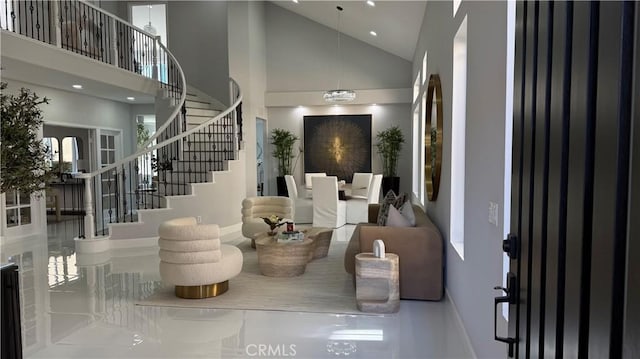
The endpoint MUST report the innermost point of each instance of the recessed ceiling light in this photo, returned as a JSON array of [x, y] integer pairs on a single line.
[[79, 87], [295, 1], [373, 33], [131, 98], [371, 3]]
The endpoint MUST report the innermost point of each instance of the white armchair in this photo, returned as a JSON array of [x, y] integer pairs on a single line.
[[360, 184], [255, 208], [328, 211], [358, 207], [302, 207], [193, 259]]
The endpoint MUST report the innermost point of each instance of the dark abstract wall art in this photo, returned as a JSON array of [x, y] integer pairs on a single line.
[[337, 144]]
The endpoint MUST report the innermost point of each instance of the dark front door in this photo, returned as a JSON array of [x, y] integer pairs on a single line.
[[576, 181]]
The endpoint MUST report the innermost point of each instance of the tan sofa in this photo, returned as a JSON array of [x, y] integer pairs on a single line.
[[420, 249]]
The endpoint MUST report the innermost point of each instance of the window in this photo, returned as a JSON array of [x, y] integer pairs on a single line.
[[53, 151], [416, 87], [70, 154], [18, 208], [417, 168], [458, 125], [425, 75], [456, 6]]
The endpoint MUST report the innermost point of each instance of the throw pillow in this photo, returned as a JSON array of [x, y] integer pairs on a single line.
[[388, 200], [407, 212], [396, 219]]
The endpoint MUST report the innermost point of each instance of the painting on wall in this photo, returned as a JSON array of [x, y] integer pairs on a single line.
[[337, 144]]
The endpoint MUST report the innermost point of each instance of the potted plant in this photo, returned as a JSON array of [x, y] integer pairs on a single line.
[[283, 141], [389, 145], [23, 156]]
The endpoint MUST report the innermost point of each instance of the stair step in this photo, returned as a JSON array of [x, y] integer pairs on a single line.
[[192, 97], [201, 166], [197, 104], [195, 119], [202, 112]]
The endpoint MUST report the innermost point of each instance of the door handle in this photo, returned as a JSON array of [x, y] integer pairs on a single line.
[[509, 298], [510, 246]]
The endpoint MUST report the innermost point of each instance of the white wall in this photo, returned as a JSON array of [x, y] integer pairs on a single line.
[[382, 117], [302, 55], [470, 281], [198, 39], [247, 65], [74, 109]]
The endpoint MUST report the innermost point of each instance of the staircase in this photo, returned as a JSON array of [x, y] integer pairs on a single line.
[[200, 176], [192, 166]]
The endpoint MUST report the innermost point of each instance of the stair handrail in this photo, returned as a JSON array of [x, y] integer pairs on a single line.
[[169, 141]]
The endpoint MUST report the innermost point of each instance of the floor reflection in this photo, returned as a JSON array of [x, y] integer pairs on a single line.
[[75, 306]]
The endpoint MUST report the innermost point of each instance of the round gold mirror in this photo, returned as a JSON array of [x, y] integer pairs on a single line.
[[433, 137]]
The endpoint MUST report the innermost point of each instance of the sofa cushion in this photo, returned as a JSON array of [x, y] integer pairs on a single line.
[[407, 212], [396, 219], [389, 199]]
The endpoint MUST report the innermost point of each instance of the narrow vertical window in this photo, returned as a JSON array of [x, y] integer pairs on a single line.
[[458, 125]]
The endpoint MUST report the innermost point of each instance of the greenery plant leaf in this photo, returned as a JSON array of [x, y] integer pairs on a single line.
[[23, 166], [283, 140], [389, 145]]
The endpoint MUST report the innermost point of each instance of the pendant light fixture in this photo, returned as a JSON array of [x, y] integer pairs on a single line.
[[339, 94], [148, 27]]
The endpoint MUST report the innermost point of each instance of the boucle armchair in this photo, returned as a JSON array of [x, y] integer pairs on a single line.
[[255, 208], [193, 259]]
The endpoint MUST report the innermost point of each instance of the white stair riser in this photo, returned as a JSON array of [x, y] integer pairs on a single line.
[[191, 119], [198, 166], [206, 146], [196, 104], [202, 112], [184, 177], [173, 189]]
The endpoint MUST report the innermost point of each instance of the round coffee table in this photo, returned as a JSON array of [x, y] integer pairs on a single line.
[[282, 259]]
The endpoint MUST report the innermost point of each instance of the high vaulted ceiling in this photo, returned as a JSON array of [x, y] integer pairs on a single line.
[[397, 23]]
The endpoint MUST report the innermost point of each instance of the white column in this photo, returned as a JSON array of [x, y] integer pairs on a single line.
[[154, 71], [89, 207]]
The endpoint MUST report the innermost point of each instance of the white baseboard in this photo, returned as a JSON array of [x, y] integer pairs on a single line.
[[459, 319]]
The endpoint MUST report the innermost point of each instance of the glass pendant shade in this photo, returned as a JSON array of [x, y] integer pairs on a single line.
[[339, 95]]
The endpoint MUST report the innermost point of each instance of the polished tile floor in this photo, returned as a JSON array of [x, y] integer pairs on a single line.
[[83, 307]]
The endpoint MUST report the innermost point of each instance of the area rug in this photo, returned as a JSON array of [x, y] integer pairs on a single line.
[[325, 287]]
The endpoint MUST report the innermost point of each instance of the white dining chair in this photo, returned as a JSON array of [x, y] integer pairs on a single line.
[[308, 183], [328, 210], [302, 207], [360, 184], [358, 207]]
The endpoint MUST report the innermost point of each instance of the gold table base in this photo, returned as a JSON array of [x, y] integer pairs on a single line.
[[202, 291]]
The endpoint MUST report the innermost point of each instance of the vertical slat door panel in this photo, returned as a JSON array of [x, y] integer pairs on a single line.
[[604, 182], [527, 173], [555, 239], [516, 168], [570, 190], [575, 191], [631, 336], [539, 182]]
